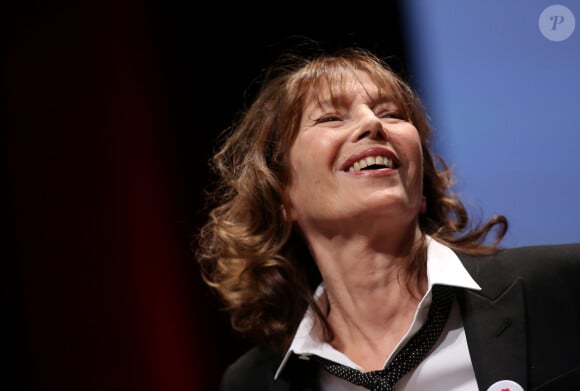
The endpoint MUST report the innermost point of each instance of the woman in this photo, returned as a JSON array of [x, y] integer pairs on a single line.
[[334, 224]]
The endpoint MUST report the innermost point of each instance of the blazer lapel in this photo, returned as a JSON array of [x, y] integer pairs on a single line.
[[495, 325]]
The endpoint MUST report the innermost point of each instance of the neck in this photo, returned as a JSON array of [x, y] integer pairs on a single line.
[[371, 293], [368, 334]]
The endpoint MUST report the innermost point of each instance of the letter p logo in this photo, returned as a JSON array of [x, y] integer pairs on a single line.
[[556, 22], [556, 19]]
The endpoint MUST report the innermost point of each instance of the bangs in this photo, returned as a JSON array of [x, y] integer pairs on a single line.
[[326, 81]]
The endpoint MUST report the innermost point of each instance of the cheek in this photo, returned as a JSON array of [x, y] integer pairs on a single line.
[[419, 171], [313, 152], [419, 153], [409, 145], [413, 151]]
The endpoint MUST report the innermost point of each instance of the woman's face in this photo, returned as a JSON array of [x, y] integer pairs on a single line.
[[354, 158]]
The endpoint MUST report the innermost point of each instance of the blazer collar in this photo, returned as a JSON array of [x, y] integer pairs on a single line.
[[495, 322]]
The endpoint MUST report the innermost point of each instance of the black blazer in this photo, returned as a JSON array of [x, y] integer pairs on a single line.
[[524, 325]]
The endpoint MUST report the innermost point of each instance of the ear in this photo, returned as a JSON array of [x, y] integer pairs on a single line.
[[288, 211], [423, 208]]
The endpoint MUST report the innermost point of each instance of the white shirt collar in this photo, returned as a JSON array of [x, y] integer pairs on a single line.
[[443, 267]]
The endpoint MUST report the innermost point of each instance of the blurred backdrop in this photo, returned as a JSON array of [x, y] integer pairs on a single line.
[[112, 111], [111, 114]]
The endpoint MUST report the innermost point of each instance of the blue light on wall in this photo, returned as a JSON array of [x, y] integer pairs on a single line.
[[501, 82]]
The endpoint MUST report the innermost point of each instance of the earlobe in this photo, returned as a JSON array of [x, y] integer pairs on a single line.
[[423, 208], [288, 213]]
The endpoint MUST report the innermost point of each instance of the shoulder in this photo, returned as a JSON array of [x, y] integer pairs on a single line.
[[254, 370], [530, 256], [541, 264], [556, 252]]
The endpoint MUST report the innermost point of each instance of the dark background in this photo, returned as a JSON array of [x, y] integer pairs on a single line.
[[111, 112]]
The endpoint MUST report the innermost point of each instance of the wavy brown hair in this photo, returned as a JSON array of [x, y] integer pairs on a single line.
[[249, 252]]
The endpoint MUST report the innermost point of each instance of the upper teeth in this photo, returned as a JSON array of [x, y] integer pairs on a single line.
[[369, 161]]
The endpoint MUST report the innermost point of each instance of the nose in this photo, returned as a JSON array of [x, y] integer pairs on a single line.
[[370, 126]]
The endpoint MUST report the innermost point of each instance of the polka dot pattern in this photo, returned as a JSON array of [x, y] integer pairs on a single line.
[[409, 357]]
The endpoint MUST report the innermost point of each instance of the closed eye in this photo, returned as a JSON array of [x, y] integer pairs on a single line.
[[328, 118], [394, 115], [390, 110]]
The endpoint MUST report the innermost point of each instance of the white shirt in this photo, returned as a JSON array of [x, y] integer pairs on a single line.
[[447, 368]]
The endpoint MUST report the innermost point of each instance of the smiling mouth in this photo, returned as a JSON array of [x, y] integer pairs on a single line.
[[372, 163]]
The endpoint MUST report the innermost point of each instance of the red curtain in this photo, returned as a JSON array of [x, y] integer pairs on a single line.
[[110, 112], [102, 287]]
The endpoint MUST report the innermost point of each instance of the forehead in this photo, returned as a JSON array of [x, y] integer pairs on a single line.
[[344, 85]]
